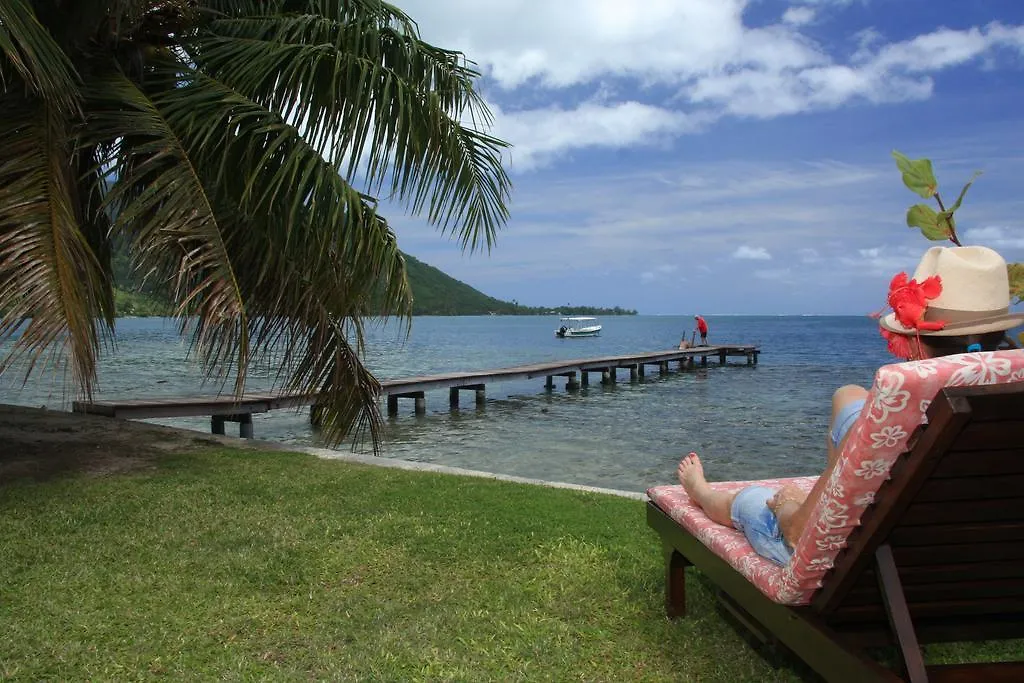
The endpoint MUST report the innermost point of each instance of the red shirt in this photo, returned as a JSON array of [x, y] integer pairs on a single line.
[[702, 325]]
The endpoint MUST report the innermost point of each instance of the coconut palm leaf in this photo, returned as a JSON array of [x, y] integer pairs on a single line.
[[53, 288], [30, 53], [210, 136], [378, 97]]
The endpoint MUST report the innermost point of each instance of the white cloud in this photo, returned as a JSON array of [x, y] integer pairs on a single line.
[[838, 229], [752, 253], [537, 135], [996, 237], [779, 274], [798, 16], [659, 273], [944, 48], [664, 68], [808, 255]]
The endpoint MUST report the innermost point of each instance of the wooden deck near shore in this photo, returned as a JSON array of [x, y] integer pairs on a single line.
[[223, 409]]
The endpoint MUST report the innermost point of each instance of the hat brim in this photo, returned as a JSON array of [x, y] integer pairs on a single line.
[[1000, 324]]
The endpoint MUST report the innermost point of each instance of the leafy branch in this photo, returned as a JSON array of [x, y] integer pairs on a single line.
[[919, 178]]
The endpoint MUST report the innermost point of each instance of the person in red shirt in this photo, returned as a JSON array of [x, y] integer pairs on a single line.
[[702, 328]]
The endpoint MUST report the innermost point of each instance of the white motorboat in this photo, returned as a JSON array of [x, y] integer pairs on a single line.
[[578, 326]]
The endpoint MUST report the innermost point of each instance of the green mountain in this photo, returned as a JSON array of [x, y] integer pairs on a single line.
[[434, 293]]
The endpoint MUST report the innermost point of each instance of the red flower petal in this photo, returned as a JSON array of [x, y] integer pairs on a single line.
[[899, 345], [931, 287]]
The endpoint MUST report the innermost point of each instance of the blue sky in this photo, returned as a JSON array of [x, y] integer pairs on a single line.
[[732, 156]]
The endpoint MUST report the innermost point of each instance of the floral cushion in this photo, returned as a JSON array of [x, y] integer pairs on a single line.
[[724, 541], [896, 405]]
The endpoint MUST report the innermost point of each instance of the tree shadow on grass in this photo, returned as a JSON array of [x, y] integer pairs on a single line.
[[38, 444]]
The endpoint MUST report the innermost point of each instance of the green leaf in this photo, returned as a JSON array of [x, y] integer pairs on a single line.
[[933, 225], [1016, 273], [917, 175], [960, 199]]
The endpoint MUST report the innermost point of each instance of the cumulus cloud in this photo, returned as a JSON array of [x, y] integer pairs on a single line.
[[996, 237], [798, 16], [539, 134], [677, 67], [752, 253]]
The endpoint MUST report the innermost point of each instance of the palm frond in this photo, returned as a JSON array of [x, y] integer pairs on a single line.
[[378, 97], [313, 256], [167, 214], [54, 293], [262, 162], [30, 51]]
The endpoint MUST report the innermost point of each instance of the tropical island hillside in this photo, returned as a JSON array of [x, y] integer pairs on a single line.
[[434, 293]]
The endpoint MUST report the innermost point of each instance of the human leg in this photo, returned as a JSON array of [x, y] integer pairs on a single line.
[[753, 515], [716, 504], [847, 402]]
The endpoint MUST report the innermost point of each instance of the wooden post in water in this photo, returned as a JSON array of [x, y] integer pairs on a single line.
[[216, 424], [584, 378], [244, 425], [421, 402], [721, 357], [392, 404], [633, 372], [453, 398], [572, 384], [549, 382]]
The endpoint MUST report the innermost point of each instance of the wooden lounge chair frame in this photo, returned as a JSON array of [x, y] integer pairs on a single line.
[[938, 557]]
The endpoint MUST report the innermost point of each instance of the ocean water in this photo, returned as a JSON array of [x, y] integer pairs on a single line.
[[746, 422]]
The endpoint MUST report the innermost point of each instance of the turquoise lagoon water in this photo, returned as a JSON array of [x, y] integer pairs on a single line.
[[746, 422]]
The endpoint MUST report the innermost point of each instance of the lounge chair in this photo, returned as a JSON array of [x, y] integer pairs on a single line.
[[919, 536]]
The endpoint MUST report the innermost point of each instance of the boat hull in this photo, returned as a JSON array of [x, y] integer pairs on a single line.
[[592, 331]]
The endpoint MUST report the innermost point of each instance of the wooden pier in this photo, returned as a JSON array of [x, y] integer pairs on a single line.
[[223, 409]]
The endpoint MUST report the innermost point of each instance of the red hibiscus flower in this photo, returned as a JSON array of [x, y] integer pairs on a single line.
[[899, 344], [909, 299]]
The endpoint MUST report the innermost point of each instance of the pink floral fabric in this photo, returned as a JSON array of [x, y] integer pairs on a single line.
[[726, 542], [895, 407]]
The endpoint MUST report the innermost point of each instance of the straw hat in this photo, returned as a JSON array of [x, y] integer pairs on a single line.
[[975, 295]]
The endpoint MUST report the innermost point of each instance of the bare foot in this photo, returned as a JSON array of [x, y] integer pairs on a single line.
[[691, 474], [716, 504]]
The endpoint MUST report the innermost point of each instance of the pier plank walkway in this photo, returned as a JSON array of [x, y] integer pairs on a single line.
[[229, 408]]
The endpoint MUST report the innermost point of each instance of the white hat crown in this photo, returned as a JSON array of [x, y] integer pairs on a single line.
[[973, 278]]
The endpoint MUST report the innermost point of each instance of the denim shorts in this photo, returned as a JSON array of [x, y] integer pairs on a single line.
[[750, 514], [844, 420]]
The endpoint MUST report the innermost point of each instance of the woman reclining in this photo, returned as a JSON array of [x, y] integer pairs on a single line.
[[958, 301]]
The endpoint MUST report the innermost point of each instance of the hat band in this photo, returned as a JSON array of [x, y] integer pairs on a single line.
[[956, 319]]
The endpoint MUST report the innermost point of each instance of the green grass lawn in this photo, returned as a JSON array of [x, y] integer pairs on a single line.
[[249, 565]]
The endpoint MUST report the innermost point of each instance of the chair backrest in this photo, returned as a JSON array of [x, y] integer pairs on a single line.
[[952, 515], [895, 409]]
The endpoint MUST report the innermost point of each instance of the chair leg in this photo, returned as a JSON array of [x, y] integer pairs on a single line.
[[675, 581], [899, 615]]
